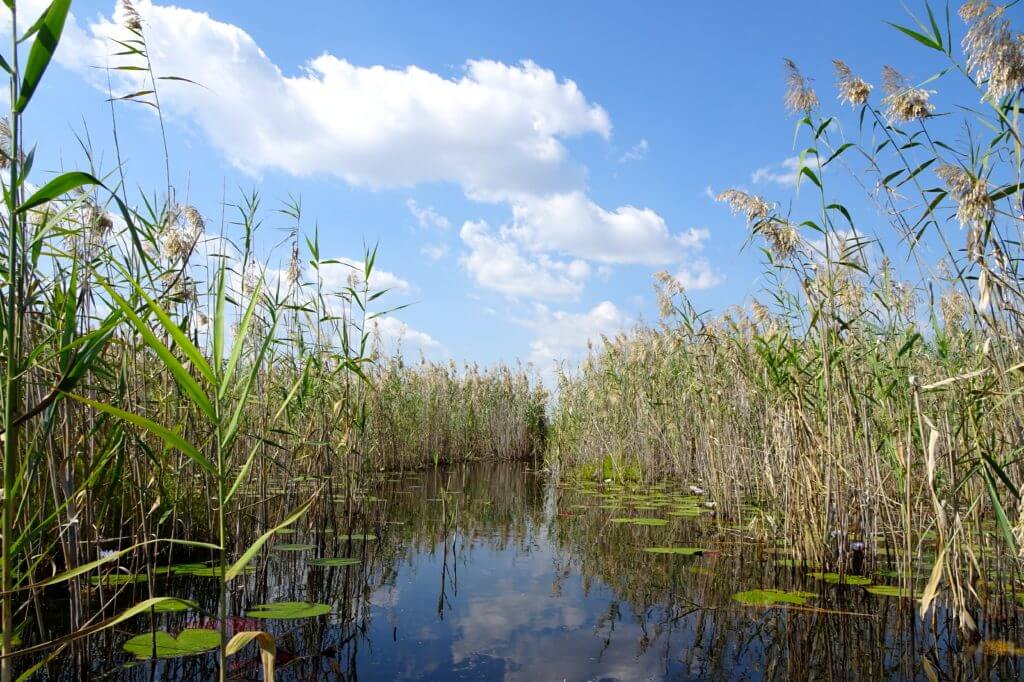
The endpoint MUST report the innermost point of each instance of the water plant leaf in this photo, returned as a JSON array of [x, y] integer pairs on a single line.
[[836, 579], [333, 561], [888, 591], [359, 536], [190, 642], [288, 610], [293, 547], [173, 606], [684, 551], [639, 521], [771, 597]]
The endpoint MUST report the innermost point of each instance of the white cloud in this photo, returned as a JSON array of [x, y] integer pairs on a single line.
[[785, 173], [698, 276], [500, 265], [427, 216], [636, 152], [495, 129], [561, 336], [435, 251], [336, 276], [572, 224], [396, 336]]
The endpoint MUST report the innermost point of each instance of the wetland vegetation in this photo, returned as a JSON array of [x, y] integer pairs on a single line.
[[212, 470]]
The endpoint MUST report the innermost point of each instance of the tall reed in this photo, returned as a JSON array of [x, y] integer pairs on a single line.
[[872, 391]]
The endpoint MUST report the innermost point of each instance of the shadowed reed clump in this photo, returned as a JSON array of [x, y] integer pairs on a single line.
[[854, 403]]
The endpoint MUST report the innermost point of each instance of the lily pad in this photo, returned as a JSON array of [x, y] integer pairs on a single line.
[[288, 610], [362, 536], [172, 606], [201, 571], [772, 597], [333, 561], [888, 591], [685, 551], [190, 642], [639, 521], [836, 579], [111, 579], [294, 547]]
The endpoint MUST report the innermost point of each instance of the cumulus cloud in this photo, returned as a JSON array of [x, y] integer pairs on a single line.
[[573, 224], [786, 173], [636, 152], [435, 251], [698, 276], [336, 272], [496, 130], [500, 265], [396, 336], [427, 216], [561, 336]]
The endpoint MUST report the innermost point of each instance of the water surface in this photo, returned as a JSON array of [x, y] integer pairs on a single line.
[[494, 572]]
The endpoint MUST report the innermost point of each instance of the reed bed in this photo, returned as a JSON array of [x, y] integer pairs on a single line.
[[434, 413], [870, 395], [166, 389]]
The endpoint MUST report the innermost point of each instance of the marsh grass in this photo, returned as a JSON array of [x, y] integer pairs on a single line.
[[871, 395], [170, 396]]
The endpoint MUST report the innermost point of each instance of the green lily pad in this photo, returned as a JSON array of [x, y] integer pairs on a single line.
[[772, 597], [362, 536], [288, 609], [188, 643], [113, 579], [203, 571], [639, 521], [685, 551], [172, 606], [293, 547], [333, 561], [836, 579], [888, 591]]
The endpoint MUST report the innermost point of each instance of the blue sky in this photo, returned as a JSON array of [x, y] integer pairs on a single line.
[[525, 167]]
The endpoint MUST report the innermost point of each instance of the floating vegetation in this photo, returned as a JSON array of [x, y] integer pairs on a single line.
[[333, 561], [294, 547], [364, 537], [288, 610], [639, 521], [191, 642], [836, 579], [888, 591], [772, 597], [684, 551]]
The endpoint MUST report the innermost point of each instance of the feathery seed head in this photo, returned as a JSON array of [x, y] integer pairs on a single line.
[[974, 205], [852, 89], [994, 53], [800, 97], [905, 103], [752, 205]]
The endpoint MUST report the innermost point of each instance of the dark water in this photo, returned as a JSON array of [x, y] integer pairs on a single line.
[[492, 572]]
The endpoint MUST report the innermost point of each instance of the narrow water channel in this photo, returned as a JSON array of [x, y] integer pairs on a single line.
[[494, 572]]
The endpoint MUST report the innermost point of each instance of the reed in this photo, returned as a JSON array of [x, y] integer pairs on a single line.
[[165, 390], [854, 400]]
